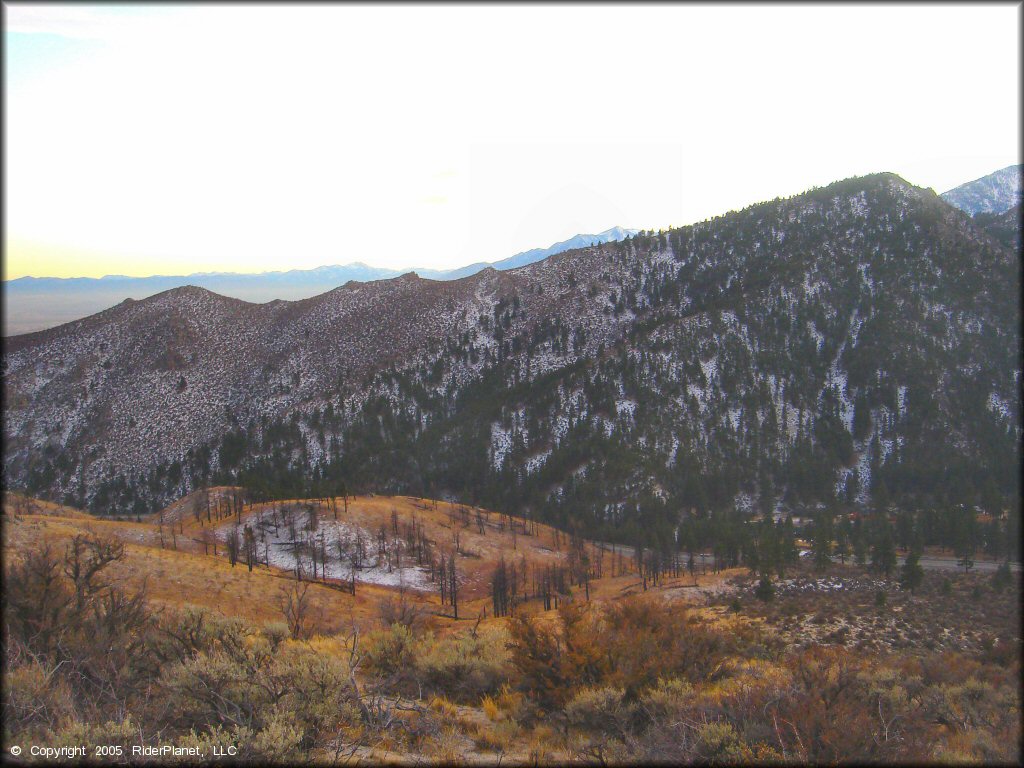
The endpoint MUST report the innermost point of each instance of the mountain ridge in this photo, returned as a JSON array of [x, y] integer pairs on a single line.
[[33, 301], [607, 384], [994, 193]]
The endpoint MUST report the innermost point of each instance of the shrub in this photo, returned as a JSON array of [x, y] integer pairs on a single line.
[[35, 701], [830, 716], [628, 645], [122, 733], [279, 741], [446, 748], [179, 634], [213, 689], [645, 640], [719, 744], [513, 703], [390, 651], [400, 610], [666, 699], [500, 737], [318, 698], [63, 611], [601, 710], [1002, 578], [538, 657], [970, 706], [276, 632], [298, 693], [466, 667]]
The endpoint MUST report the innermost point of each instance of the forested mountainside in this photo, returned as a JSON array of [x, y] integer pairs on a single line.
[[855, 344], [995, 193], [1004, 227]]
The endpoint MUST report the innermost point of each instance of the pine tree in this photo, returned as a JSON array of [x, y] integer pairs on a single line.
[[787, 545], [822, 540], [1002, 578], [911, 574], [859, 541], [843, 539], [904, 529], [965, 538], [883, 548]]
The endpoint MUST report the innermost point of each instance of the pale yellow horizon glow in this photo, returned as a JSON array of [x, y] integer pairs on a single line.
[[175, 139], [56, 260]]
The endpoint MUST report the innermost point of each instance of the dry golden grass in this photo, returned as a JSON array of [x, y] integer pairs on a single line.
[[176, 578], [19, 504], [490, 707], [170, 560], [166, 552], [182, 509], [442, 521], [479, 552]]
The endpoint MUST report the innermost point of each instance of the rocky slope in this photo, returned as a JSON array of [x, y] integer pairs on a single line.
[[856, 344]]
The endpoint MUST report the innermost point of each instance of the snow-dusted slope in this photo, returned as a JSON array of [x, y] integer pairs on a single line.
[[857, 335], [995, 193]]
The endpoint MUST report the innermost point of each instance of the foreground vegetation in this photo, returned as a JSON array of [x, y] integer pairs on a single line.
[[640, 679]]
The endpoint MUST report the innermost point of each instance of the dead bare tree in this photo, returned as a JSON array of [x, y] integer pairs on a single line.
[[198, 504], [84, 557], [294, 604], [453, 589], [233, 546], [250, 547], [400, 610]]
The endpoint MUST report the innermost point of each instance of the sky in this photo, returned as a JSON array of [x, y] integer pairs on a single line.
[[170, 139]]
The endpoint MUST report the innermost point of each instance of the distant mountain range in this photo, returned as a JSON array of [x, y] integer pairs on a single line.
[[33, 304], [996, 193], [37, 303]]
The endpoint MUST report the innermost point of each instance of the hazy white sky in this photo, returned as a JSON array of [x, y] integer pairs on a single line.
[[173, 139]]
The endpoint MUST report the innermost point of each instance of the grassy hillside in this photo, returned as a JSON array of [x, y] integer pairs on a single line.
[[172, 553], [135, 633]]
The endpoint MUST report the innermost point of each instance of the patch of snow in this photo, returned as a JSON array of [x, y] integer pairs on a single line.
[[710, 368], [819, 337], [734, 418], [501, 443], [863, 473], [274, 542], [626, 408], [996, 404], [859, 205], [901, 400], [535, 462]]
